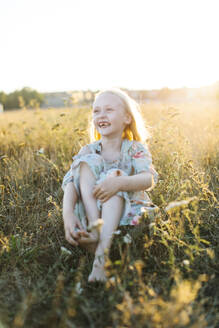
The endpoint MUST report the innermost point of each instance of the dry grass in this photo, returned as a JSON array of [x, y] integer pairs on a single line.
[[166, 277]]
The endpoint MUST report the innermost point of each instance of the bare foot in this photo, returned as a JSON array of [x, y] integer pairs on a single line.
[[98, 272], [91, 237], [90, 240]]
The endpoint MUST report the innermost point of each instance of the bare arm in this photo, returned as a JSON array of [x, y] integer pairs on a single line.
[[69, 200], [111, 185], [70, 220], [137, 182]]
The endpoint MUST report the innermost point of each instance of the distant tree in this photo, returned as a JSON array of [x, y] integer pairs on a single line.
[[25, 97], [12, 100], [21, 102], [33, 103], [3, 97], [31, 97]]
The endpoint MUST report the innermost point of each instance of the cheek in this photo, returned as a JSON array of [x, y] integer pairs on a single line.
[[94, 122]]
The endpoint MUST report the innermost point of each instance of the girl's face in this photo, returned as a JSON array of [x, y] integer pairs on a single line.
[[109, 115]]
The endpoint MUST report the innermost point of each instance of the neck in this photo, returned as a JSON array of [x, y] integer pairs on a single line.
[[114, 144]]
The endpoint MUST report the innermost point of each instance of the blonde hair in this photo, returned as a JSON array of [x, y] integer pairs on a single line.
[[136, 130]]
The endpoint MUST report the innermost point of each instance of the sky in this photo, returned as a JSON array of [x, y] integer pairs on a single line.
[[63, 45]]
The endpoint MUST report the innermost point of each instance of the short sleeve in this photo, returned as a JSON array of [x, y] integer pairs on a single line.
[[142, 160], [83, 151], [69, 176]]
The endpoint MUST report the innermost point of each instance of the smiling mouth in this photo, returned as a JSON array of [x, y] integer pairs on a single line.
[[103, 124]]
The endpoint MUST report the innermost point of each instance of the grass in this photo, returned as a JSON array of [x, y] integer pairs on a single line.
[[165, 277]]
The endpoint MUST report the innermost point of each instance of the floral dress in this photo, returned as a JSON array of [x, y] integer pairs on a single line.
[[134, 158]]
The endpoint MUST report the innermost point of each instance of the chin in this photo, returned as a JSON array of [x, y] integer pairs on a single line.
[[104, 133]]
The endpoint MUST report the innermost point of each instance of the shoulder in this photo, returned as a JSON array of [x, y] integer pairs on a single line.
[[89, 149], [137, 149], [84, 150]]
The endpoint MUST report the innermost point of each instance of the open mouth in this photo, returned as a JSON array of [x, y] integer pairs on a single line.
[[103, 124]]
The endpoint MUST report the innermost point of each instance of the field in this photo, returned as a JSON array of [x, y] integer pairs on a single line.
[[165, 275]]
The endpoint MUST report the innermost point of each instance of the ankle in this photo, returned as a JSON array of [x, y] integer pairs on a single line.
[[99, 260]]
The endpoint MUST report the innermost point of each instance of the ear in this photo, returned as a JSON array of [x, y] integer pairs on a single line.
[[128, 118]]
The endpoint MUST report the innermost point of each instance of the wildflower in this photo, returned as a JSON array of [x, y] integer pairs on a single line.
[[5, 244], [210, 252], [49, 199], [96, 225], [40, 151], [117, 232], [152, 228], [78, 288], [151, 225], [127, 239], [112, 279], [65, 251], [186, 262], [139, 266], [111, 282], [135, 219], [178, 204]]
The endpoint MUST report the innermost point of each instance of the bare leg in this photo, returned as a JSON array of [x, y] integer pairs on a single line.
[[111, 214], [87, 182]]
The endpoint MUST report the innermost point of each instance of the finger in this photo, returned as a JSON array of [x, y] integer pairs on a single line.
[[104, 199], [73, 234], [99, 194], [77, 230], [98, 187], [103, 195], [71, 240], [79, 225], [83, 233], [96, 191]]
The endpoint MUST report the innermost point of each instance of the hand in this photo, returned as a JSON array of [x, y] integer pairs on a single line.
[[70, 223], [106, 189]]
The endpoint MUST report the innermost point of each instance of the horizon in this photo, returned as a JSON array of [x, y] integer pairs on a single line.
[[131, 89]]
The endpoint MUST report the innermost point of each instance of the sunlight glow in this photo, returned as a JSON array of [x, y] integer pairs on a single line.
[[138, 44]]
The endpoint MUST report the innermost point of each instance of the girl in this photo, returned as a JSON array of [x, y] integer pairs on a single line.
[[108, 177]]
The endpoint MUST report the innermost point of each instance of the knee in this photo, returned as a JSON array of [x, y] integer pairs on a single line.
[[87, 178], [85, 170], [83, 166]]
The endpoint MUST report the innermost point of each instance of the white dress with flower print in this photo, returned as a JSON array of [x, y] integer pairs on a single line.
[[134, 158]]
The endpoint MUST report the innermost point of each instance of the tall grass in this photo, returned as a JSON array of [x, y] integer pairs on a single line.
[[163, 273]]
